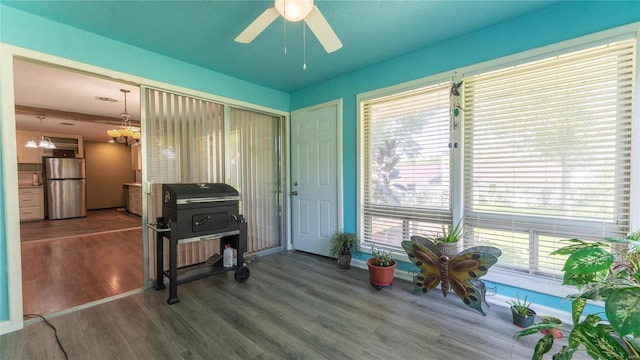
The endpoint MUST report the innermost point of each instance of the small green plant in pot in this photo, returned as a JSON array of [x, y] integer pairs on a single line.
[[341, 246], [523, 315], [381, 267], [449, 240], [600, 276]]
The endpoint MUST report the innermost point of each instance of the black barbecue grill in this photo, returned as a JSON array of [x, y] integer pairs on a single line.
[[201, 209], [195, 212]]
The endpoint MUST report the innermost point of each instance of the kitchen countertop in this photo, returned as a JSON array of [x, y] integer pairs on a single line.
[[133, 184], [24, 186]]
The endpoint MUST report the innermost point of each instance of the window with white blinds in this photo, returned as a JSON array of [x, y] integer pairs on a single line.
[[405, 167], [548, 153]]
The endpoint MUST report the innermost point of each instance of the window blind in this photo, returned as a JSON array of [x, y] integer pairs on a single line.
[[405, 171], [548, 153], [184, 142], [253, 148]]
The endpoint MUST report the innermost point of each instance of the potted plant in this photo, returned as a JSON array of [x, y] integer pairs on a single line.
[[449, 241], [523, 315], [341, 245], [600, 276], [381, 268]]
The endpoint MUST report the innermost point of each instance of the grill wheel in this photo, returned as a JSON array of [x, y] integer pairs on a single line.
[[242, 274]]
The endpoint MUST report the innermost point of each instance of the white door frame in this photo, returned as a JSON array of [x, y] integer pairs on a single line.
[[339, 182]]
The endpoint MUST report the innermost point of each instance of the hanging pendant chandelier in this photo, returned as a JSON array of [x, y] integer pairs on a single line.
[[45, 142], [126, 134]]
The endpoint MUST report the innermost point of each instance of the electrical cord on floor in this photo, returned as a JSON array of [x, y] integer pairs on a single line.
[[54, 331]]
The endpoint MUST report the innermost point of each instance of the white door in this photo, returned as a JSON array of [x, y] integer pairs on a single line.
[[314, 177]]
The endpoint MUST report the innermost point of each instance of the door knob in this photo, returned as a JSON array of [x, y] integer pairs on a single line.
[[295, 193]]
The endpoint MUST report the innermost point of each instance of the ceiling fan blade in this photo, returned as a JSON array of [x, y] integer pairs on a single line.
[[323, 31], [255, 28]]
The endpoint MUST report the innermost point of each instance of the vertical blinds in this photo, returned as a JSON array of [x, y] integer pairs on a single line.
[[184, 139], [405, 170], [253, 145], [548, 152]]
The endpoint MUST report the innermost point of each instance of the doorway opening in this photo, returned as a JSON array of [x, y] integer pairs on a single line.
[[73, 260]]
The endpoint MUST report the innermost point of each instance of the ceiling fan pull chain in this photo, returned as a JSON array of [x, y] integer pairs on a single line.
[[304, 45], [284, 25]]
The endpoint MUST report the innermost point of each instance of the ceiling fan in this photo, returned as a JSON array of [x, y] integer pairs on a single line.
[[294, 11]]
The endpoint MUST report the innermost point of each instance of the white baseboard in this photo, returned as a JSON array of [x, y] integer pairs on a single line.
[[9, 327]]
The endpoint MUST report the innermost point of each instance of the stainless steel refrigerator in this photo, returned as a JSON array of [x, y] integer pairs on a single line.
[[65, 187]]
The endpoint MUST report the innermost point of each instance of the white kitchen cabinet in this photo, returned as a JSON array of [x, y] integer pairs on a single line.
[[28, 155], [135, 199], [31, 203], [34, 156], [136, 157]]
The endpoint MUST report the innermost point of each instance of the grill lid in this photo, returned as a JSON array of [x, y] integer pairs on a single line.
[[200, 193]]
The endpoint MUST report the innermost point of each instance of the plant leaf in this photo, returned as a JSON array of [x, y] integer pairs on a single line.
[[542, 347], [623, 311], [599, 345], [576, 310], [588, 260], [635, 243], [603, 289], [535, 328], [592, 320], [582, 279], [566, 353], [634, 345], [578, 245]]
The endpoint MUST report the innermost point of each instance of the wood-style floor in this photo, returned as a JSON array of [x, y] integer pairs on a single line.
[[294, 306], [72, 269], [96, 221]]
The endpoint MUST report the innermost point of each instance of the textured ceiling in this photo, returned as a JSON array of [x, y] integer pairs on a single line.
[[202, 32]]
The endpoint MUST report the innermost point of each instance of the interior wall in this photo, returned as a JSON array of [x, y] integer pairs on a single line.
[[107, 167], [565, 21], [29, 33]]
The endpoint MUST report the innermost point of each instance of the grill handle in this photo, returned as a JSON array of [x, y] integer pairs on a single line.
[[198, 223]]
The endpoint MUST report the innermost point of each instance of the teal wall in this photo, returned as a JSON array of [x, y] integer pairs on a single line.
[[32, 32], [35, 33], [564, 21]]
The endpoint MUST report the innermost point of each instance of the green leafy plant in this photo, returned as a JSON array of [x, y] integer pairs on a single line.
[[599, 276], [520, 306], [381, 257], [450, 233], [343, 243]]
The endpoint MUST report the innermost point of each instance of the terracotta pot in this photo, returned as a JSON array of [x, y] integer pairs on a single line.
[[381, 276], [344, 261]]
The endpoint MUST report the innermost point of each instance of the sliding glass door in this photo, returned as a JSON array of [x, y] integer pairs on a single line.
[[187, 140]]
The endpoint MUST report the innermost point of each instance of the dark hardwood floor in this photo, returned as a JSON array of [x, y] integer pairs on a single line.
[[65, 268], [294, 306], [96, 221]]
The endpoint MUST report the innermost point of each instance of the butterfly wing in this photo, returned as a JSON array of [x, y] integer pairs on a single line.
[[464, 269], [424, 257]]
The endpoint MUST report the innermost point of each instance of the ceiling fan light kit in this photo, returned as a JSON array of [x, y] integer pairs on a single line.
[[294, 10]]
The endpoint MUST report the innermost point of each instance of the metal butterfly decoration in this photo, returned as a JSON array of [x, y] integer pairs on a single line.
[[461, 273]]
